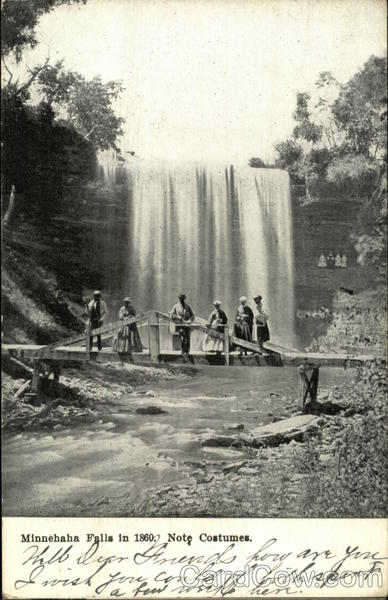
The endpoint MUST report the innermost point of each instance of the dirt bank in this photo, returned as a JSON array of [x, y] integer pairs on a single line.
[[82, 395]]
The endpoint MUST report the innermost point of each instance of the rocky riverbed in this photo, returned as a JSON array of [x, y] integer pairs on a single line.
[[123, 440], [81, 396]]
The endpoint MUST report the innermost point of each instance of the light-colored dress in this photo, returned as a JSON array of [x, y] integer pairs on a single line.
[[322, 263], [217, 321], [338, 261], [128, 338]]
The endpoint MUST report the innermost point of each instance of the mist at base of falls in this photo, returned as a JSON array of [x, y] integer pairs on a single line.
[[212, 232]]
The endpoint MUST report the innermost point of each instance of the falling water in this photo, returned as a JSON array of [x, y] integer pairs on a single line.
[[211, 232]]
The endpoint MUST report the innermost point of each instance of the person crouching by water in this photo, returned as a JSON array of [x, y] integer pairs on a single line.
[[182, 314], [217, 321], [261, 320], [97, 311], [243, 326], [128, 338]]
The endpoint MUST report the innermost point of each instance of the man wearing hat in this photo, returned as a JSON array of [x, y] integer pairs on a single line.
[[97, 311], [128, 338], [182, 314], [217, 321]]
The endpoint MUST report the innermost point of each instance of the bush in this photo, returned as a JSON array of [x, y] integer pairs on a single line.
[[354, 484]]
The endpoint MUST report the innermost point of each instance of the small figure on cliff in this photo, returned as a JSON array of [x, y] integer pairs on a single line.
[[97, 311], [261, 320], [330, 261], [128, 338], [217, 321], [244, 321], [338, 261], [322, 263], [182, 314]]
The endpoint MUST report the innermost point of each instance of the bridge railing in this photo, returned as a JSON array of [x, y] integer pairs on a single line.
[[154, 320], [200, 324]]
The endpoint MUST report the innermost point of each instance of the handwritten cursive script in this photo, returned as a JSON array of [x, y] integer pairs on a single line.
[[161, 568]]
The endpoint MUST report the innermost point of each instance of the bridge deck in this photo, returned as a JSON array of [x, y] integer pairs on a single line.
[[277, 356], [296, 357], [65, 354]]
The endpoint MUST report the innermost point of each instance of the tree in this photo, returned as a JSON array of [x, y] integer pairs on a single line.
[[87, 105], [290, 157], [306, 128], [257, 163], [338, 148], [44, 160], [341, 134], [357, 110], [19, 20]]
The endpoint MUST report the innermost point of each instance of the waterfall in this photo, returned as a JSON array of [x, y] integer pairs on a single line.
[[213, 232]]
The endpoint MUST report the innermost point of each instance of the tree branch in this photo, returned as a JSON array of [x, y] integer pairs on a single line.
[[8, 70], [34, 74], [90, 132]]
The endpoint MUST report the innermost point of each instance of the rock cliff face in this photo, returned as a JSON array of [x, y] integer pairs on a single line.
[[34, 308], [321, 228]]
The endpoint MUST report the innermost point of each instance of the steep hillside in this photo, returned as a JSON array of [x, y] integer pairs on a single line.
[[34, 308]]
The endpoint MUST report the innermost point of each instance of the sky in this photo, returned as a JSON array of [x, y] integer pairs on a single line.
[[211, 79]]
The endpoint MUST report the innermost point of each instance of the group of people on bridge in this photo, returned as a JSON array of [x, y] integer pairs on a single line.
[[182, 318]]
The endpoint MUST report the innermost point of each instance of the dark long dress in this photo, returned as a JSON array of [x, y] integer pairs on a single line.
[[262, 330], [243, 326], [128, 338]]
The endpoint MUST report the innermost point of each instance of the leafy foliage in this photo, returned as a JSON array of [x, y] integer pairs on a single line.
[[357, 110], [355, 483], [19, 20], [338, 149], [257, 163], [87, 105], [290, 156], [342, 137], [51, 147], [52, 157]]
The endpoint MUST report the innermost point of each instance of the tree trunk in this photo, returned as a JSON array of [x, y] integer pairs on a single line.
[[7, 219]]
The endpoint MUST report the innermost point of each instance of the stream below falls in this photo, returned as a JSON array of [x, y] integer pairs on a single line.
[[50, 474]]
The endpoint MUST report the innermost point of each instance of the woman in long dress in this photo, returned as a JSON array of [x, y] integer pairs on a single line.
[[217, 321], [322, 262], [243, 325], [128, 338], [261, 319]]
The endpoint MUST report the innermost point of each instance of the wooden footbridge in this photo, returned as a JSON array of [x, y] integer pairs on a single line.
[[156, 351]]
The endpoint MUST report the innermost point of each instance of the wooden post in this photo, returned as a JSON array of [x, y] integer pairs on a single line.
[[87, 341], [153, 328], [309, 389], [149, 336], [226, 344], [56, 372], [35, 376]]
